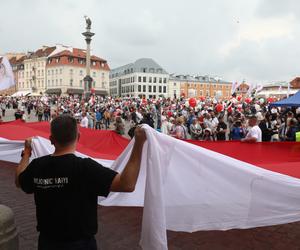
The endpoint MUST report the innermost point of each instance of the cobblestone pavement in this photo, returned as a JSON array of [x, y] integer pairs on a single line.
[[119, 227]]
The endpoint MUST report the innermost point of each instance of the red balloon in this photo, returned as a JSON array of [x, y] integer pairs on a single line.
[[202, 98], [192, 102], [239, 98], [219, 108], [92, 90], [270, 99], [144, 101], [248, 100]]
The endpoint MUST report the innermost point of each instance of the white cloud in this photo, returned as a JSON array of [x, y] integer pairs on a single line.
[[261, 30], [193, 36]]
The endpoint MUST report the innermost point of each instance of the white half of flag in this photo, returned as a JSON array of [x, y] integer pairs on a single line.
[[6, 74], [184, 187]]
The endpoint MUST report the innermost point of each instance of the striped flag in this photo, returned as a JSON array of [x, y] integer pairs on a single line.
[[6, 74]]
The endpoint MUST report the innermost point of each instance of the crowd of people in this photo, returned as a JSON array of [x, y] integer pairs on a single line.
[[204, 119]]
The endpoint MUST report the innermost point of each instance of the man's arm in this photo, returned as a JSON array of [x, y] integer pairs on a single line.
[[249, 139], [24, 161], [126, 181]]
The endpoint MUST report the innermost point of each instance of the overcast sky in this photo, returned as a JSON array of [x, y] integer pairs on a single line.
[[255, 40]]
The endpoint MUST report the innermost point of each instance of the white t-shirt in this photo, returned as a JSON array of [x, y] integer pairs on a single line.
[[84, 122], [254, 132]]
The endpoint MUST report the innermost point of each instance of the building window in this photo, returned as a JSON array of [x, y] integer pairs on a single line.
[[150, 79], [80, 83], [140, 79], [52, 82], [48, 72], [52, 72], [56, 71], [60, 81], [94, 74], [144, 88], [154, 88], [71, 71], [174, 84], [149, 88], [71, 82], [159, 89], [60, 71], [139, 88], [160, 80], [165, 80], [56, 82], [70, 59], [144, 79], [154, 79], [144, 70], [165, 89]]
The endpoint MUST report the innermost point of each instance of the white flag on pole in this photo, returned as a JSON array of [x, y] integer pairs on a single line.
[[234, 86], [6, 74]]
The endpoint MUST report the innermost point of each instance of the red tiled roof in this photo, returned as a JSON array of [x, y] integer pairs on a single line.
[[44, 51], [79, 53], [13, 60], [21, 59]]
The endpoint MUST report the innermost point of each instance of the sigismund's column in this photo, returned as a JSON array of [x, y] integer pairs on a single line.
[[88, 80]]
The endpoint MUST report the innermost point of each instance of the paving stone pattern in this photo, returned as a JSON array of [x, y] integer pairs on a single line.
[[119, 227]]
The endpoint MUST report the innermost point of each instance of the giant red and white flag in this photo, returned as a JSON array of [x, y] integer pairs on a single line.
[[187, 186], [6, 74]]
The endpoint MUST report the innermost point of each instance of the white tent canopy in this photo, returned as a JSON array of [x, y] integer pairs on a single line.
[[21, 93], [268, 93]]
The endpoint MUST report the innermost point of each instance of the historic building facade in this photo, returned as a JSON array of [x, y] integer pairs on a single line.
[[60, 70], [35, 70], [196, 86], [66, 70], [144, 78]]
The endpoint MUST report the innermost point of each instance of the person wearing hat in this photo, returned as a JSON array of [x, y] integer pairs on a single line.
[[254, 134], [207, 135]]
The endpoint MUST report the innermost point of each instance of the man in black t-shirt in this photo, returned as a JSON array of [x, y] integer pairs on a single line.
[[66, 187]]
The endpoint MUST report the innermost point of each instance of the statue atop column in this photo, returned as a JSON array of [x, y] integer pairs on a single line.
[[88, 22], [88, 80]]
